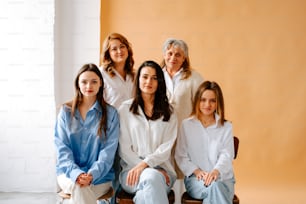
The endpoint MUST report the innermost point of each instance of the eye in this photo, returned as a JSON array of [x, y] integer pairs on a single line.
[[202, 99], [144, 76], [213, 100], [83, 82], [178, 55]]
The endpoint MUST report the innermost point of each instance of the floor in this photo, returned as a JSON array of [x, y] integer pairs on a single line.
[[257, 194], [29, 198]]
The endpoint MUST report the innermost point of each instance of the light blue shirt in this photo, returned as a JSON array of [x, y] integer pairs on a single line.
[[79, 148]]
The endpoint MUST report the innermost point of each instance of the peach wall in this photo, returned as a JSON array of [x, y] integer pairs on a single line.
[[256, 50]]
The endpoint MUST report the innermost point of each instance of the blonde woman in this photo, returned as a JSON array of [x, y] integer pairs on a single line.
[[205, 148]]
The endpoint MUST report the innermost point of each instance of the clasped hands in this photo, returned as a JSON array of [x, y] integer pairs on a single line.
[[84, 179], [207, 177]]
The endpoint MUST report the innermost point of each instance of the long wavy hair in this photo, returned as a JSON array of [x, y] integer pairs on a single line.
[[172, 42], [107, 62], [161, 107], [78, 98], [213, 86]]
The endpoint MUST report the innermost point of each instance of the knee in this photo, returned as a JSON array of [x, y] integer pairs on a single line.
[[219, 186], [151, 177]]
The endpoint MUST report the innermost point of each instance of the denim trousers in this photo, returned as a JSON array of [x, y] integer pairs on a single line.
[[218, 192], [151, 188]]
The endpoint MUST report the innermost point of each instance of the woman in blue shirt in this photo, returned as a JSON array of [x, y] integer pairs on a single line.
[[86, 139]]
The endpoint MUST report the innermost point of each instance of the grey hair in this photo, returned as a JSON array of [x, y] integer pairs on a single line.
[[175, 43]]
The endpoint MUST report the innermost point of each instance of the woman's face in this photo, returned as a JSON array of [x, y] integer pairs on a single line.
[[89, 83], [118, 51], [148, 80], [174, 58], [208, 103]]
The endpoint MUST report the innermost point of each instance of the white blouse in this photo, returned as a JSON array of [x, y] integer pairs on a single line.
[[181, 92], [205, 148], [145, 140], [116, 89]]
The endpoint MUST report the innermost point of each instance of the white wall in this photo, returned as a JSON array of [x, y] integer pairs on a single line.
[[42, 45], [77, 41]]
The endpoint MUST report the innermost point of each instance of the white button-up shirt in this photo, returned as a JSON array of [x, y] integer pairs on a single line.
[[205, 148], [145, 140], [116, 89]]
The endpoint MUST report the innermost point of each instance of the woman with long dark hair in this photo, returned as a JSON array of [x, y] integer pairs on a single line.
[[86, 139], [148, 129]]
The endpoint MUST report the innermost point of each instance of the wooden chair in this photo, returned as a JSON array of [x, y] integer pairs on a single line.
[[187, 199], [104, 197], [123, 197]]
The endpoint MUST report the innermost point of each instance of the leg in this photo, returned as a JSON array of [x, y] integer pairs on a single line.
[[179, 189], [117, 169], [151, 189], [84, 195], [219, 192]]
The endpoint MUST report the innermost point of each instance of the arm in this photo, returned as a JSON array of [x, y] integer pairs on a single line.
[[197, 79], [65, 159], [127, 152], [226, 153], [108, 149], [181, 152], [163, 151]]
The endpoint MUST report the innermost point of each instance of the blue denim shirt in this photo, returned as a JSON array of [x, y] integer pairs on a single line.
[[80, 150]]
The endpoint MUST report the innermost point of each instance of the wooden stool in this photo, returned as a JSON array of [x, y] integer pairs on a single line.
[[187, 199], [123, 197], [104, 197]]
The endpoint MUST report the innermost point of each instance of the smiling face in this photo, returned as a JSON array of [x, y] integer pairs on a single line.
[[208, 103], [89, 83], [174, 58], [118, 51], [148, 80]]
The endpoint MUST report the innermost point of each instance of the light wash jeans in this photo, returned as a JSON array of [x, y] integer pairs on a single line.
[[218, 192], [151, 188]]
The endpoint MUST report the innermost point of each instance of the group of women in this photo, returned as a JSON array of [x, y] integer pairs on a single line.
[[142, 130]]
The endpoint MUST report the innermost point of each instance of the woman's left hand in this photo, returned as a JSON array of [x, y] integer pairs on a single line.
[[134, 174], [211, 176]]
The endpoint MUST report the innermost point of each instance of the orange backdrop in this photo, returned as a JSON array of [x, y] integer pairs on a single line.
[[256, 50]]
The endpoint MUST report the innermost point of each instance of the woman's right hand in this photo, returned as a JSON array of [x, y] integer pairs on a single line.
[[134, 174], [200, 175]]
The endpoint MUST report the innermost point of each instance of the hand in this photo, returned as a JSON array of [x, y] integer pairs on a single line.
[[164, 172], [84, 179], [210, 177], [200, 175], [134, 174]]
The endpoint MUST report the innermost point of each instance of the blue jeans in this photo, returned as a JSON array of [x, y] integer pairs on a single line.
[[151, 188], [218, 192]]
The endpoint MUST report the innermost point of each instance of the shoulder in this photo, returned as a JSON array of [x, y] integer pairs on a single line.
[[228, 124], [65, 108], [196, 75], [64, 112], [190, 121], [111, 109], [125, 105]]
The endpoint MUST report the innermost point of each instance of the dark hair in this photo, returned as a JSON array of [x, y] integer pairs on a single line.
[[213, 86], [161, 105], [78, 98], [107, 62]]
